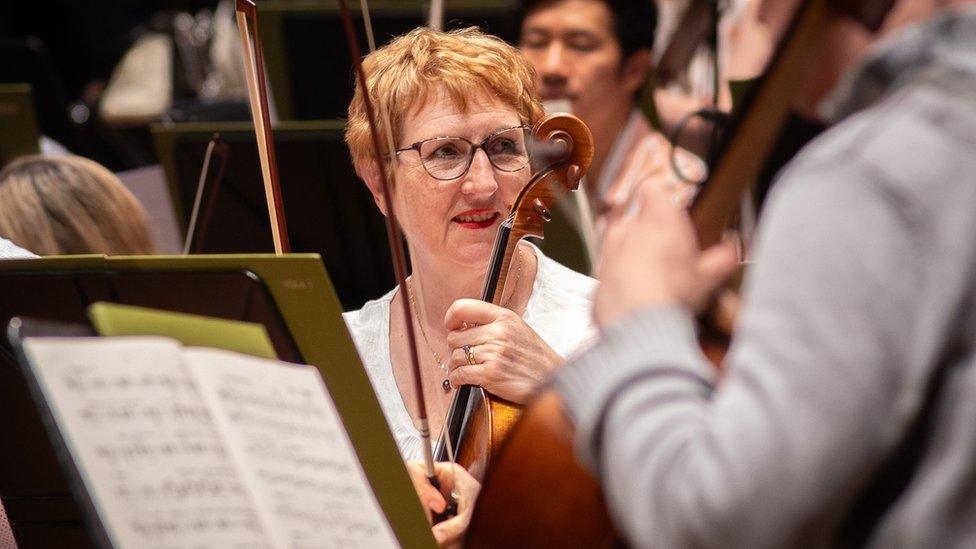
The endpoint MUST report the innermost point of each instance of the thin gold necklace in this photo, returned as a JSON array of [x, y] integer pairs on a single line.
[[518, 277], [446, 384]]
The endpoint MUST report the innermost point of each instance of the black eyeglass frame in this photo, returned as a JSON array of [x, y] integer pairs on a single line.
[[474, 149]]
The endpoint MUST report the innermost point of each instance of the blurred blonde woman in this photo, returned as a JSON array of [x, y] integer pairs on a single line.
[[56, 205]]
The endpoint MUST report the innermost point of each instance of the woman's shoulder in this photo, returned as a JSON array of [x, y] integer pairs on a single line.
[[370, 321], [557, 282], [560, 309]]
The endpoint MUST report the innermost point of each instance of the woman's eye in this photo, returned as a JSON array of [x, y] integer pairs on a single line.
[[504, 145], [445, 151]]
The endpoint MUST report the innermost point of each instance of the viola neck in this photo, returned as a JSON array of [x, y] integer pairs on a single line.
[[501, 253], [455, 423]]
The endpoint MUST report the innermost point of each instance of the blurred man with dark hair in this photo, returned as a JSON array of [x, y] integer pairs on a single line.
[[596, 54]]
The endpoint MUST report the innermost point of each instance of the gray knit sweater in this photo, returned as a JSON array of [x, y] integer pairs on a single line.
[[863, 287]]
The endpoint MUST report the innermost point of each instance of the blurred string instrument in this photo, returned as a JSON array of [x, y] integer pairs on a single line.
[[562, 148], [535, 494]]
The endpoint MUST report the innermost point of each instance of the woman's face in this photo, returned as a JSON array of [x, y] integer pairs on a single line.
[[453, 223]]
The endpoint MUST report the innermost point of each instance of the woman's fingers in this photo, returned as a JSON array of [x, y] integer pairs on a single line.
[[472, 355], [473, 335], [466, 313], [454, 479], [450, 532], [430, 497], [466, 356], [469, 375]]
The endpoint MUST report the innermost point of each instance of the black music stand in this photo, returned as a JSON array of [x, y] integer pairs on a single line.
[[33, 486], [329, 210]]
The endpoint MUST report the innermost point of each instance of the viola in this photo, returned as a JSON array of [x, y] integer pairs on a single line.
[[477, 421], [535, 494]]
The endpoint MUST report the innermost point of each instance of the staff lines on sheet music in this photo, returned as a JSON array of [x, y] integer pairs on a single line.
[[303, 482], [204, 487], [278, 404], [326, 518], [306, 474], [158, 529], [292, 456], [114, 410], [168, 449], [287, 428], [85, 378]]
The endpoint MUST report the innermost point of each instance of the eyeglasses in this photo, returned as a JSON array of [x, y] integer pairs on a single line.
[[447, 158]]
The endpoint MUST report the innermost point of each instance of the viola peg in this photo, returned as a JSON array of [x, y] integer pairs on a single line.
[[542, 210], [574, 173]]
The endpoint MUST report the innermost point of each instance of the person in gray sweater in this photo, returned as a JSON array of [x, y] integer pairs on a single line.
[[845, 414]]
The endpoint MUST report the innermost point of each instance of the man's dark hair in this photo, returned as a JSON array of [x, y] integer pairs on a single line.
[[634, 21]]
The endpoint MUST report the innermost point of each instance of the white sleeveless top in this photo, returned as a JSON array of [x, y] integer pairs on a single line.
[[9, 250], [559, 310]]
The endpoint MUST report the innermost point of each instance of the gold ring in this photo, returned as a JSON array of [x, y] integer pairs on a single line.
[[469, 354]]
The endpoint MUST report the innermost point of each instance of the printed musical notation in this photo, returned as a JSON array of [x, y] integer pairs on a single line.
[[285, 431], [147, 448], [203, 448]]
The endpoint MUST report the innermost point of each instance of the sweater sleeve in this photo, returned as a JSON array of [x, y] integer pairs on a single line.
[[845, 313]]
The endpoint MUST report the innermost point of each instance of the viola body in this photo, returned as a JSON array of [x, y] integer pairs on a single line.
[[491, 422], [538, 455]]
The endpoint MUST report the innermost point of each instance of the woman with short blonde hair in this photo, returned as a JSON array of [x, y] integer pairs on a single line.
[[460, 106], [57, 205]]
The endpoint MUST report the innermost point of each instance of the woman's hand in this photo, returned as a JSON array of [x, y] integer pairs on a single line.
[[453, 479], [494, 348]]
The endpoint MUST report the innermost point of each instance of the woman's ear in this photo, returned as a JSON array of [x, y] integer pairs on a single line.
[[369, 172]]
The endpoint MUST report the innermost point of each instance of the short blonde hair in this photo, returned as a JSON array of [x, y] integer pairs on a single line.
[[56, 205], [403, 74]]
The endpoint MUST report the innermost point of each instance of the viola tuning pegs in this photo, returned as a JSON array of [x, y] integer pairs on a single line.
[[542, 210], [573, 173]]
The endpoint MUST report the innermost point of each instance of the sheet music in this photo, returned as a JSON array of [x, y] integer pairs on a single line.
[[145, 445], [287, 437]]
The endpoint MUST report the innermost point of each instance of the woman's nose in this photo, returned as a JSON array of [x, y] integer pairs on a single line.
[[480, 178]]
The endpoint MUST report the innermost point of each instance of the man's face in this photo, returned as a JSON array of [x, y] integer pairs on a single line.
[[576, 55]]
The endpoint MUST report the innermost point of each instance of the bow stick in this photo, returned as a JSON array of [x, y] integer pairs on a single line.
[[396, 244], [436, 18], [197, 228], [247, 24], [371, 42], [367, 26]]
